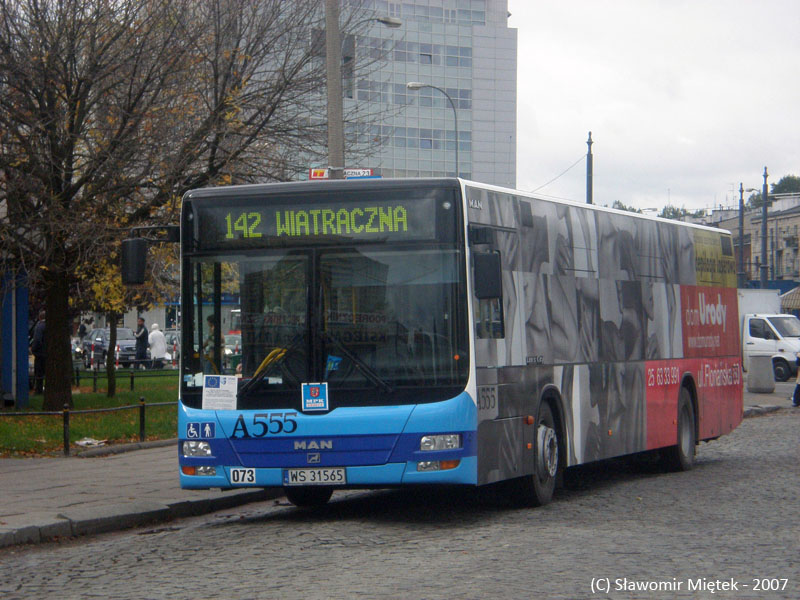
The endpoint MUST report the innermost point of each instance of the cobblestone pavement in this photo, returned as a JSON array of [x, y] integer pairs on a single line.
[[733, 521]]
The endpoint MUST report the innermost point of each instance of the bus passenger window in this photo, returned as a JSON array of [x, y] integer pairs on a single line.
[[490, 323]]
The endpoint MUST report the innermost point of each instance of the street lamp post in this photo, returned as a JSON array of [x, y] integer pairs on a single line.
[[333, 86], [333, 74], [764, 202], [589, 170], [416, 85], [741, 277]]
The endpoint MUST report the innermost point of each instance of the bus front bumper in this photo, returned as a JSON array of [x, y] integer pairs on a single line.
[[372, 476]]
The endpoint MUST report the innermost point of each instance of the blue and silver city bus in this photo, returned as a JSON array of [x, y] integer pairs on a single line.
[[439, 331]]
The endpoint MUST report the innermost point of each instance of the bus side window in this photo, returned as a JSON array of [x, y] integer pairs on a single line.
[[489, 291], [490, 319]]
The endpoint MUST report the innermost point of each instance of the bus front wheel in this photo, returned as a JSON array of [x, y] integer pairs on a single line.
[[680, 457], [308, 495], [537, 488]]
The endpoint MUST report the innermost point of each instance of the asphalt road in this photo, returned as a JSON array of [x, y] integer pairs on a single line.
[[728, 529]]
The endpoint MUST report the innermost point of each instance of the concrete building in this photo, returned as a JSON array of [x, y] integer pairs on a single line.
[[783, 232], [461, 46]]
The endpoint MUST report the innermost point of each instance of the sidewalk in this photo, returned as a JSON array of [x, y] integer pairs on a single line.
[[46, 498]]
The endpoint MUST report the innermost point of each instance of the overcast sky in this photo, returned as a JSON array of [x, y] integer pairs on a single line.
[[684, 99]]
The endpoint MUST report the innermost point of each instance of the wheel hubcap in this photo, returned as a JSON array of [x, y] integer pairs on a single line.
[[548, 451]]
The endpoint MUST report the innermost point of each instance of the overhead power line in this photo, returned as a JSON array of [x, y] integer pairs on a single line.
[[572, 166]]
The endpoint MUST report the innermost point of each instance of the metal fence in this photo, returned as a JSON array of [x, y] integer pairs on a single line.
[[96, 375], [67, 411]]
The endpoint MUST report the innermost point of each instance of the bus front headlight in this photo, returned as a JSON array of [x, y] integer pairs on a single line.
[[192, 448], [449, 441]]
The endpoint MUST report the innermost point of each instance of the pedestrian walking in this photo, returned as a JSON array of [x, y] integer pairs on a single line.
[[796, 395], [39, 348], [142, 341], [158, 346]]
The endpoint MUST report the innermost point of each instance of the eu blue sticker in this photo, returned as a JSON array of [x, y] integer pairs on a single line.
[[315, 396]]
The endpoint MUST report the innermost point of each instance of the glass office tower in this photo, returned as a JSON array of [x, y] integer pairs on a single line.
[[461, 46]]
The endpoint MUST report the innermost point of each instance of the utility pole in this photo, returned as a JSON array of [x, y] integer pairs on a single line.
[[765, 201], [589, 169], [333, 69], [740, 278]]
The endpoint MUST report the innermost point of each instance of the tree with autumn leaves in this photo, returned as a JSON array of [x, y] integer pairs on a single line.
[[111, 109]]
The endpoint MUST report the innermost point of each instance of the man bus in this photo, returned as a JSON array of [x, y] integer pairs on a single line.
[[441, 331]]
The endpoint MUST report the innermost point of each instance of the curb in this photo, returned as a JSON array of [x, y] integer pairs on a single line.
[[754, 411], [90, 521], [120, 448]]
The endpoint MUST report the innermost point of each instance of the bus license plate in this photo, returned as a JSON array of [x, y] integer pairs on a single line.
[[330, 476]]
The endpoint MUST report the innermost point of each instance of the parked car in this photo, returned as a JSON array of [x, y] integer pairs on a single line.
[[95, 347]]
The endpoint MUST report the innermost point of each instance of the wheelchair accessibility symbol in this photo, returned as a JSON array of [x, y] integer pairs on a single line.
[[201, 431]]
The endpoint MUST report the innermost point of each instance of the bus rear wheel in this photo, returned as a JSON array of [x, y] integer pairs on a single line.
[[680, 457], [537, 488], [308, 495]]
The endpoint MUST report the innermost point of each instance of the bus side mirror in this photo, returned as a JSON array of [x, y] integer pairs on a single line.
[[488, 278], [134, 261]]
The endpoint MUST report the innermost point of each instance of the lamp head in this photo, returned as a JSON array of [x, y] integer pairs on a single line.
[[389, 22]]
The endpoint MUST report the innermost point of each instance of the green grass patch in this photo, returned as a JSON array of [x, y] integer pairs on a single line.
[[44, 435]]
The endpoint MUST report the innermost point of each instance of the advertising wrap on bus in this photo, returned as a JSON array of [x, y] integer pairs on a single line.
[[710, 329]]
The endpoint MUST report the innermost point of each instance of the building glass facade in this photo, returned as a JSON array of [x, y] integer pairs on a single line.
[[462, 46]]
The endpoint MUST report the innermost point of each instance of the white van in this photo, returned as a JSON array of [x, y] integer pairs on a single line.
[[774, 335]]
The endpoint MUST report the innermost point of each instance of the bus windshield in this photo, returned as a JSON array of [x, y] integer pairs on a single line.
[[377, 321]]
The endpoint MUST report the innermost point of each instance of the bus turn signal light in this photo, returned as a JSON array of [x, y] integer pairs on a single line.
[[187, 470]]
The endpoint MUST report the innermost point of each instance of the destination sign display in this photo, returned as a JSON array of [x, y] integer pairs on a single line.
[[227, 225]]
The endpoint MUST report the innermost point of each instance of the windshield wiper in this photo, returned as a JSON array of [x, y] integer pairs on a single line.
[[363, 367], [274, 358]]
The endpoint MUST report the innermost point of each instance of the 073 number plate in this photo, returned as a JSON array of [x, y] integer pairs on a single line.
[[328, 476], [243, 476]]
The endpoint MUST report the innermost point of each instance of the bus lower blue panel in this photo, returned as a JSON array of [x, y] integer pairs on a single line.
[[377, 445], [330, 451]]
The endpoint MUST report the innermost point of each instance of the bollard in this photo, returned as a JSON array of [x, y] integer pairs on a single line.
[[77, 377], [131, 379], [94, 380], [66, 429], [141, 418], [760, 375]]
